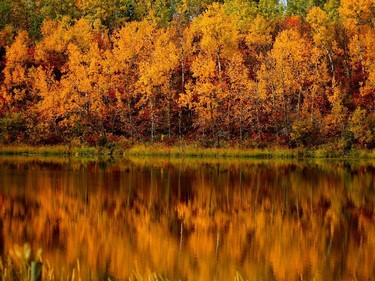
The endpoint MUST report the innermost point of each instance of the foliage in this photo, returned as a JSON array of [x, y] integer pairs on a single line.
[[238, 72]]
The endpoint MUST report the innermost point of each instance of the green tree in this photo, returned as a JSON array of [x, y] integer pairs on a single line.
[[112, 13]]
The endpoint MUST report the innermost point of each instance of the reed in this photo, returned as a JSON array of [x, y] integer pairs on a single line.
[[55, 150], [10, 271], [192, 151], [187, 151], [196, 151], [151, 276]]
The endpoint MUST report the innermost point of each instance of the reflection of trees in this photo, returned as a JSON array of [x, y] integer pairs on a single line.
[[195, 220]]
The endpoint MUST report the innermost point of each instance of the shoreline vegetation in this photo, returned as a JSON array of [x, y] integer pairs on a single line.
[[185, 151], [21, 270]]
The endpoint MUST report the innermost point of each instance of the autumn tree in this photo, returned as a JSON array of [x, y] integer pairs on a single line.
[[155, 79], [292, 80], [270, 9], [132, 44], [212, 71], [58, 9], [207, 93], [357, 18], [242, 12], [15, 95], [72, 84], [243, 97], [112, 14], [359, 126], [13, 13], [367, 90], [336, 120], [323, 32], [83, 90], [258, 36], [15, 88]]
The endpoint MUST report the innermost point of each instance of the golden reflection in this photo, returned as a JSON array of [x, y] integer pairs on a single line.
[[192, 219]]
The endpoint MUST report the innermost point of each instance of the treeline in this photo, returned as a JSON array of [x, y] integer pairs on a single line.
[[238, 72]]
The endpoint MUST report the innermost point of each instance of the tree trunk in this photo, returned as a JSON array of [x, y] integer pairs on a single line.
[[152, 119], [257, 109], [299, 104], [130, 119], [169, 119], [330, 61], [182, 90], [241, 123], [360, 52]]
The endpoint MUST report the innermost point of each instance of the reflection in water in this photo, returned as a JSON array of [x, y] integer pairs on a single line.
[[191, 219]]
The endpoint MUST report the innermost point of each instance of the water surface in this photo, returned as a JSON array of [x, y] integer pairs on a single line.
[[191, 219]]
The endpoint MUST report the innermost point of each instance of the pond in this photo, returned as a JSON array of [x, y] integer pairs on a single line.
[[190, 219]]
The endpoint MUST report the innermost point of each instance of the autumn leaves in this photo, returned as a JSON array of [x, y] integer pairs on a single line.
[[223, 75]]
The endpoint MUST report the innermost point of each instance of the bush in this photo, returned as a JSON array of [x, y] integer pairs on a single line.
[[305, 133]]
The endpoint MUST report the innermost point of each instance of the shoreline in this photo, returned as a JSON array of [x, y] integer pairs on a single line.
[[185, 151]]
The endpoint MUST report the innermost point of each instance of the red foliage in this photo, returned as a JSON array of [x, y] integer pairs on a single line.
[[297, 23]]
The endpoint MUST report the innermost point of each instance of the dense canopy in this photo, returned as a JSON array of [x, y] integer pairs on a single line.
[[295, 73]]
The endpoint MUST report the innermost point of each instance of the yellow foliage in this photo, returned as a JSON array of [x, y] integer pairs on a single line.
[[219, 32], [259, 32], [356, 13], [323, 31], [18, 51]]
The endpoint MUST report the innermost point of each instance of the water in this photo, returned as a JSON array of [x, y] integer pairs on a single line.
[[191, 219]]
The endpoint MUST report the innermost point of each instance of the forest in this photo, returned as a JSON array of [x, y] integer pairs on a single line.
[[243, 73]]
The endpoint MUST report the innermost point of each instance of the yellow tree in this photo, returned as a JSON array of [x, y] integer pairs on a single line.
[[369, 49], [15, 95], [57, 35], [259, 34], [279, 75], [242, 95], [131, 45], [156, 71], [216, 40], [48, 108], [15, 88], [291, 80], [335, 121], [358, 19], [323, 31], [242, 12], [84, 90], [72, 78]]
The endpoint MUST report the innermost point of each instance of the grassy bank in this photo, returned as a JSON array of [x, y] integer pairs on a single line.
[[160, 150], [57, 150], [268, 153]]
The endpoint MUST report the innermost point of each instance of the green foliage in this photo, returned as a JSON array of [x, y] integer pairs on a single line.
[[11, 128], [359, 127], [300, 131], [298, 7], [5, 13], [270, 9], [331, 7]]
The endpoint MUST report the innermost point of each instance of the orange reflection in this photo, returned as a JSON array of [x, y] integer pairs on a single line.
[[193, 220]]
